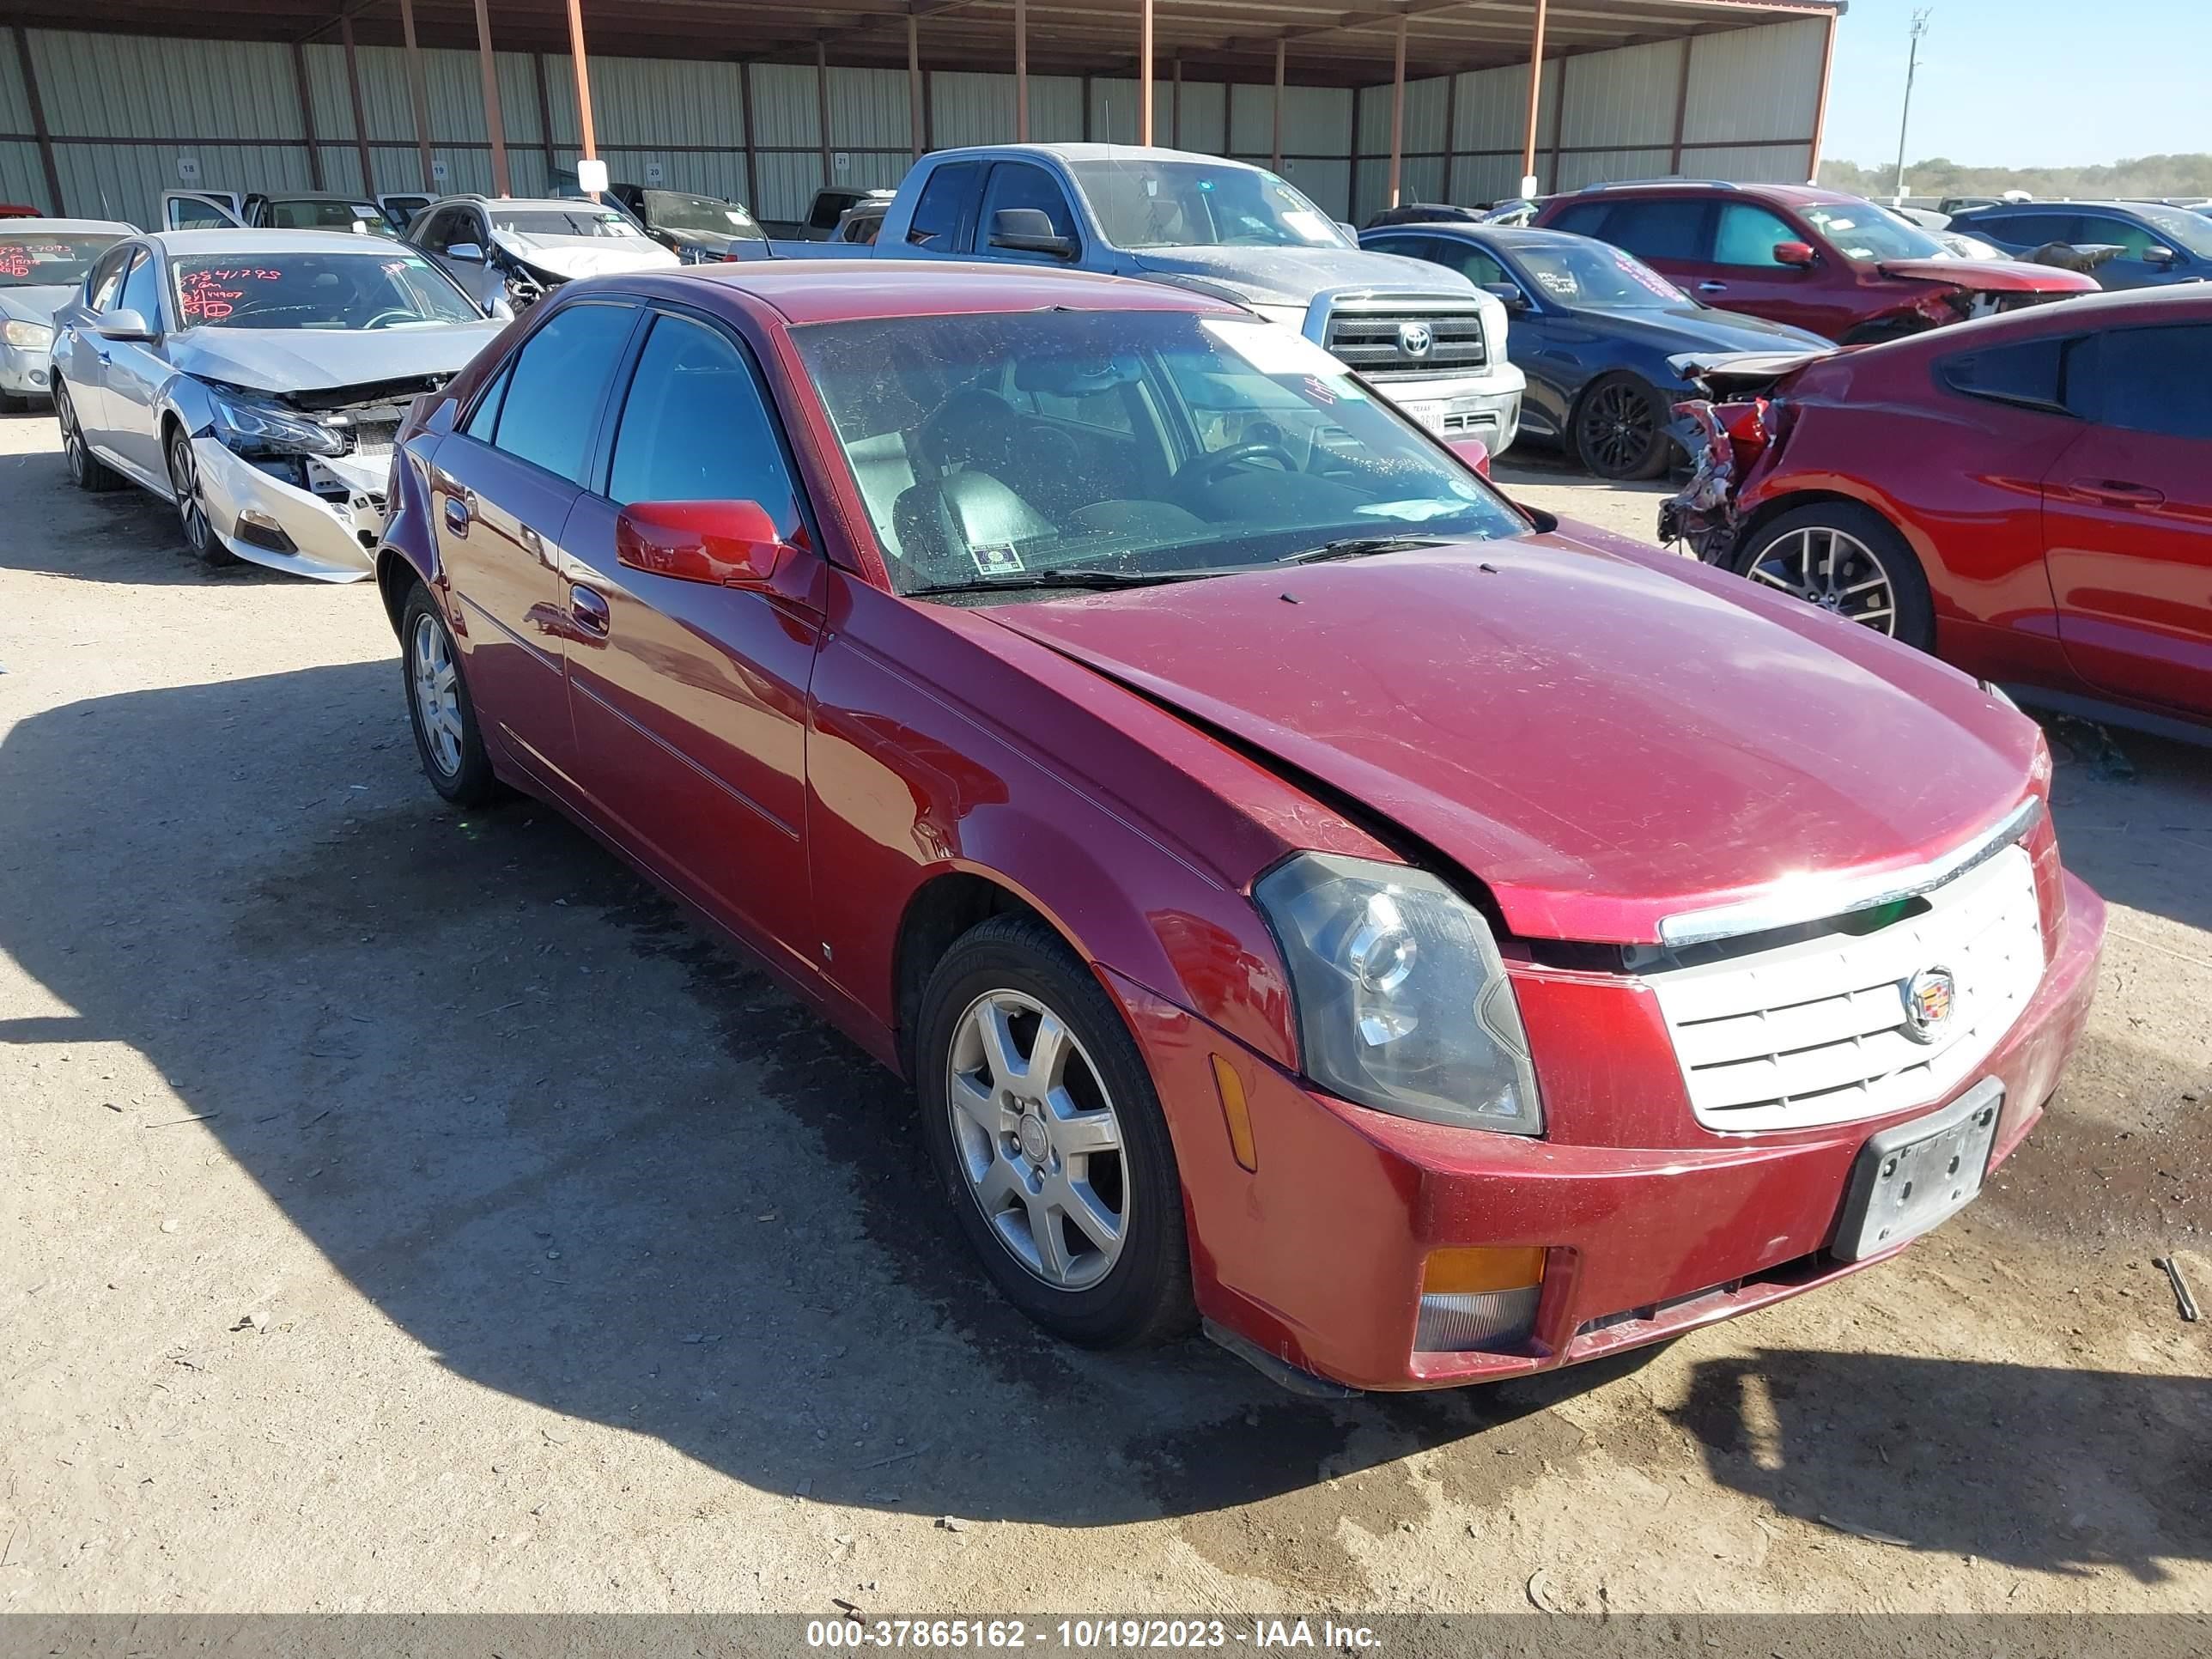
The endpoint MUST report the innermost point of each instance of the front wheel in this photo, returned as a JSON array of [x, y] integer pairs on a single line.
[[1620, 429], [440, 708], [1851, 562], [192, 506], [1041, 1116]]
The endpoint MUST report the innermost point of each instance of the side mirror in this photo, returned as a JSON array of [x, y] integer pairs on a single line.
[[1474, 451], [123, 325], [1028, 230], [1509, 294], [468, 251], [499, 310], [1797, 254], [722, 543], [2163, 258]]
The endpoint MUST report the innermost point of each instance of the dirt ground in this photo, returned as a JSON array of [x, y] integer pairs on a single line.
[[406, 1210]]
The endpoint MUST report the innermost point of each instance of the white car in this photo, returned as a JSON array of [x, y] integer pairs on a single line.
[[42, 261], [505, 247], [256, 379]]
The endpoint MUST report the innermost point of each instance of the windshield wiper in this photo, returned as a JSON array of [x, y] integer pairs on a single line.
[[1089, 579], [1359, 547]]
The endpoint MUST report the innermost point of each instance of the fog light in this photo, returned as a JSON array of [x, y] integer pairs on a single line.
[[1475, 1299], [260, 530]]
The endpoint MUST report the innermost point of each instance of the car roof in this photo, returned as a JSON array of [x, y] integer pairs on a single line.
[[559, 203], [67, 226], [1795, 195], [848, 291], [1502, 235], [179, 243], [1094, 152]]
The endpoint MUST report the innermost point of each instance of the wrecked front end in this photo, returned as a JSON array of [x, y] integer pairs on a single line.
[[298, 480], [1737, 425]]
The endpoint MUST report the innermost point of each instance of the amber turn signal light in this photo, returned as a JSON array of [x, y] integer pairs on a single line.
[[1236, 1113]]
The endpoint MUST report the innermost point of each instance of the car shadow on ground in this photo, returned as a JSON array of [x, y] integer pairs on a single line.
[[2056, 1470], [588, 1157], [133, 538], [581, 1152], [2134, 814]]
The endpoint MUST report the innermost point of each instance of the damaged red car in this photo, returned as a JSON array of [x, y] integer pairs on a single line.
[[2028, 497], [1812, 258], [1310, 896]]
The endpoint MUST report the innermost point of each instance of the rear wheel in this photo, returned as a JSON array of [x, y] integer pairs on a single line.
[[85, 471], [1621, 428], [1849, 561], [1041, 1116], [439, 707]]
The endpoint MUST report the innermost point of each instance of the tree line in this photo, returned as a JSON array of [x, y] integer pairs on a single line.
[[2144, 175]]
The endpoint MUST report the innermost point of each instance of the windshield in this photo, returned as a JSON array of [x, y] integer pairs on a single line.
[[673, 210], [2181, 228], [46, 259], [1020, 448], [582, 220], [386, 288], [1598, 277], [364, 217], [1142, 203], [1861, 230]]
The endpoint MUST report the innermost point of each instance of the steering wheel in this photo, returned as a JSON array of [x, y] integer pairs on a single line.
[[386, 318], [1203, 468]]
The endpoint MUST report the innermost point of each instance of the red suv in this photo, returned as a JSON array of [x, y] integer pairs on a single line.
[[1813, 259]]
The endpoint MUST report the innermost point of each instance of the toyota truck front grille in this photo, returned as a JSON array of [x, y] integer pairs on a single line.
[[1420, 341]]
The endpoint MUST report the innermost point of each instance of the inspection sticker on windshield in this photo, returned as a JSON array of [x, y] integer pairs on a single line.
[[996, 559], [1274, 350]]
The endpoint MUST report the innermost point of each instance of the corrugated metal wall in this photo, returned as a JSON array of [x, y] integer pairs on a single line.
[[131, 117], [1745, 110]]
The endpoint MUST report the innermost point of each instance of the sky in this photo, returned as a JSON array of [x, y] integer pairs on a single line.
[[2025, 82]]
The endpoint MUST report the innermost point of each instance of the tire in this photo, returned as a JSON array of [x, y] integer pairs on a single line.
[[1621, 428], [192, 521], [1828, 552], [439, 708], [1012, 974], [86, 471]]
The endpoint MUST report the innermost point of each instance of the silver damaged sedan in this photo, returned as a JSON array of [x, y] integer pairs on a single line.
[[256, 379]]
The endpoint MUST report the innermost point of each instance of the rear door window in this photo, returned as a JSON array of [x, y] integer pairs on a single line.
[[1660, 230], [947, 195], [2023, 229], [559, 380]]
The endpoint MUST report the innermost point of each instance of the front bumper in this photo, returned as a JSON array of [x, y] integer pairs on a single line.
[[1315, 1256], [266, 520], [26, 373], [1485, 405]]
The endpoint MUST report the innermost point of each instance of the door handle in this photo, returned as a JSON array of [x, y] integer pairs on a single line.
[[1712, 287], [2118, 492], [589, 608], [457, 515]]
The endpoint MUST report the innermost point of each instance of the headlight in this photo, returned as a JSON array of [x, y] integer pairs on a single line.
[[1403, 1002], [27, 337], [256, 429], [1291, 317]]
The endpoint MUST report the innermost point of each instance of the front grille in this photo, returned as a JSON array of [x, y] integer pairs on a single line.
[[1814, 1031], [373, 440], [1370, 338]]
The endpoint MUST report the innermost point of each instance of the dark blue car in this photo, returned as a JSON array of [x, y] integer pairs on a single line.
[[2158, 244], [1592, 328]]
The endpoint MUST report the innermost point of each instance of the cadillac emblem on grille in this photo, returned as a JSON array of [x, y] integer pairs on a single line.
[[1930, 997], [1416, 339]]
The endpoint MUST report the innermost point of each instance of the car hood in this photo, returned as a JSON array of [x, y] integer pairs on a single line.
[[571, 258], [1294, 276], [33, 305], [1690, 328], [312, 359], [1600, 739], [1992, 276]]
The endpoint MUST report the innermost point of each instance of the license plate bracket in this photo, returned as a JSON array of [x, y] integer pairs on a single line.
[[1913, 1177]]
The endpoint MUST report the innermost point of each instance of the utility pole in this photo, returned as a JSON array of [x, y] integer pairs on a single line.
[[1905, 120]]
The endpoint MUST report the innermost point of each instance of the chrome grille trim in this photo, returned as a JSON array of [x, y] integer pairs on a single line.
[[1362, 335], [1815, 1031]]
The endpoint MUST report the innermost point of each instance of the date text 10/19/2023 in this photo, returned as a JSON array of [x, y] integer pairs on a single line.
[[1085, 1634]]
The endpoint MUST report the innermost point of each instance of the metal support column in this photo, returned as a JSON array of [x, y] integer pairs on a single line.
[[1398, 110], [306, 115], [914, 80], [38, 122], [1021, 71], [1281, 48], [1535, 92], [360, 111], [822, 102], [1144, 72], [495, 125], [1820, 107], [418, 93], [583, 84]]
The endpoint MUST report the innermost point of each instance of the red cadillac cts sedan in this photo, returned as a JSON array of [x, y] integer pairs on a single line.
[[1308, 894]]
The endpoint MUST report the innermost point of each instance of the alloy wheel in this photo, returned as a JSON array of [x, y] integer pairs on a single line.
[[1035, 1134], [1834, 569], [1618, 430], [437, 693], [73, 455], [185, 480]]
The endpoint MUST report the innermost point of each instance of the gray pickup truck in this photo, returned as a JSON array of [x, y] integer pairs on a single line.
[[1424, 336]]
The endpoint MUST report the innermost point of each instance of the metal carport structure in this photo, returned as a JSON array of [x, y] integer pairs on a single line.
[[1363, 105]]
